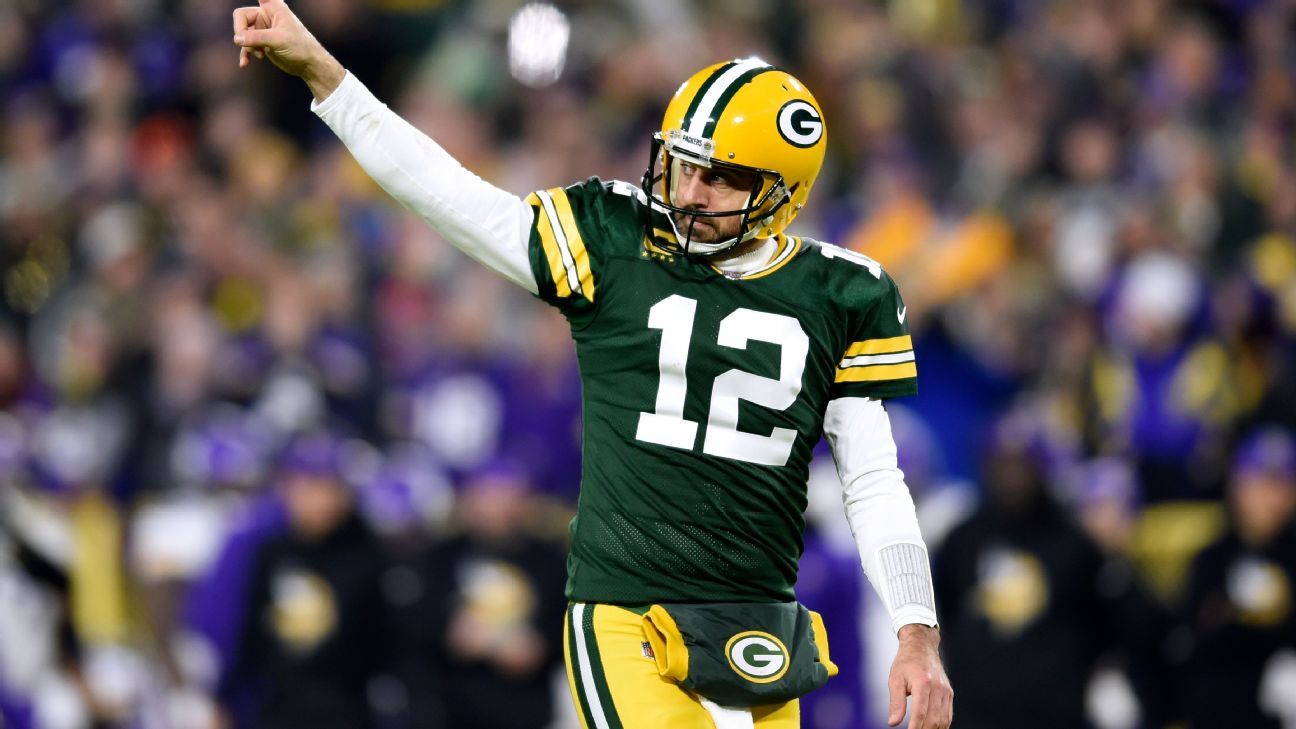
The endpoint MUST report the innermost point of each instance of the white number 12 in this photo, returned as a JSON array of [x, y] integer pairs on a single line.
[[667, 426]]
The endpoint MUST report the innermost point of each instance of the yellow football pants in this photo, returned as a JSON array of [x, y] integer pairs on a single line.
[[615, 684]]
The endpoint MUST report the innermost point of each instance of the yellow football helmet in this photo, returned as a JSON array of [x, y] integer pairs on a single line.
[[748, 116]]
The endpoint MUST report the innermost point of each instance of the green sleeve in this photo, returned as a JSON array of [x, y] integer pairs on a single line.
[[565, 247], [879, 360]]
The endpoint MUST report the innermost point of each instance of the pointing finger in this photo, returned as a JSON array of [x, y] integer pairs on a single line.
[[243, 58]]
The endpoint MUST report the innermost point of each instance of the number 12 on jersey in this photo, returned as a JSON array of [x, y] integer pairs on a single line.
[[667, 426]]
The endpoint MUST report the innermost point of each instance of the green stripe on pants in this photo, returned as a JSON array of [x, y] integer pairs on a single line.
[[596, 670], [574, 665]]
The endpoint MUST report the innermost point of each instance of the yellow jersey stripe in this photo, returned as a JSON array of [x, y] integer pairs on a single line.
[[550, 244], [789, 252], [878, 373], [575, 243], [787, 249], [666, 235], [880, 346], [560, 235], [654, 248]]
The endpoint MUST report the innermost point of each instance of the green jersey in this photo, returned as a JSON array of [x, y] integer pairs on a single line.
[[704, 395]]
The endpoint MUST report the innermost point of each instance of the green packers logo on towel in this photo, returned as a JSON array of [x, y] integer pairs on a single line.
[[758, 657]]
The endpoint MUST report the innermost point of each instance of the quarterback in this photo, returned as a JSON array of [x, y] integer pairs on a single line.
[[714, 349]]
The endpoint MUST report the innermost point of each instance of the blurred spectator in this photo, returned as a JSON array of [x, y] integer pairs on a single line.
[[40, 652], [1133, 685], [214, 600], [1168, 393], [1238, 611], [315, 626], [405, 496], [172, 541], [1017, 587], [493, 608]]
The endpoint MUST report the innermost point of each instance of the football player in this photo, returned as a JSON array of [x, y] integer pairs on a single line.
[[714, 348]]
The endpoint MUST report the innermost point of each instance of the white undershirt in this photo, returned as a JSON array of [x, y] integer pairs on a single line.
[[752, 260], [494, 227]]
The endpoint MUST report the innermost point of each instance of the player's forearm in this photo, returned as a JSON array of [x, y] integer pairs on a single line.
[[891, 547], [323, 75], [880, 510], [485, 222]]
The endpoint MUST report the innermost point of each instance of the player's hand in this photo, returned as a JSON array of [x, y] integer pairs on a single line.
[[272, 31], [917, 672]]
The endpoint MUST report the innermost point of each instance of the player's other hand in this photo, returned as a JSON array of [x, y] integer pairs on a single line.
[[271, 30], [917, 672]]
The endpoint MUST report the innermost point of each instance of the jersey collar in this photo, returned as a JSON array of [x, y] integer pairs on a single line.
[[787, 248]]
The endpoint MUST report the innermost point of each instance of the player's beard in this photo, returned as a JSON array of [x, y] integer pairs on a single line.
[[708, 229]]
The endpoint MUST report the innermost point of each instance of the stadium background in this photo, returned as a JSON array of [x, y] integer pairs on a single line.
[[1089, 206]]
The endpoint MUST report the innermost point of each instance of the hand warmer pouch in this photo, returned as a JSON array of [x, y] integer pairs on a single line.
[[740, 654]]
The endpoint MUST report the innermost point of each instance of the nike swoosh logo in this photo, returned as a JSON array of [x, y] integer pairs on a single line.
[[900, 313]]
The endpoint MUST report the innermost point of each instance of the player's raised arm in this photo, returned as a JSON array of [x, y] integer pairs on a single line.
[[489, 224]]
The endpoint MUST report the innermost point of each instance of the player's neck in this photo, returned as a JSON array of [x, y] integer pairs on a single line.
[[746, 257]]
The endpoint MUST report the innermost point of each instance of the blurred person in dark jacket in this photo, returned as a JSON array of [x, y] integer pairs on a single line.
[[1016, 583], [493, 609], [314, 623], [1133, 685], [1238, 608], [406, 498]]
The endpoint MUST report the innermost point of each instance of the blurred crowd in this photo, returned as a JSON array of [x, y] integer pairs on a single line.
[[273, 454]]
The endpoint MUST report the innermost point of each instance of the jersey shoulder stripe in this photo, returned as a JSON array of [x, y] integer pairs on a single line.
[[876, 360], [563, 244], [878, 372]]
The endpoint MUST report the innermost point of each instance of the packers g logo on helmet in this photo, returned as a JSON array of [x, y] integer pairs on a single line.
[[799, 123], [744, 115], [756, 656]]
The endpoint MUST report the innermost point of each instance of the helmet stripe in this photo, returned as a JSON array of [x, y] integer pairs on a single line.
[[728, 96], [717, 92], [702, 90]]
